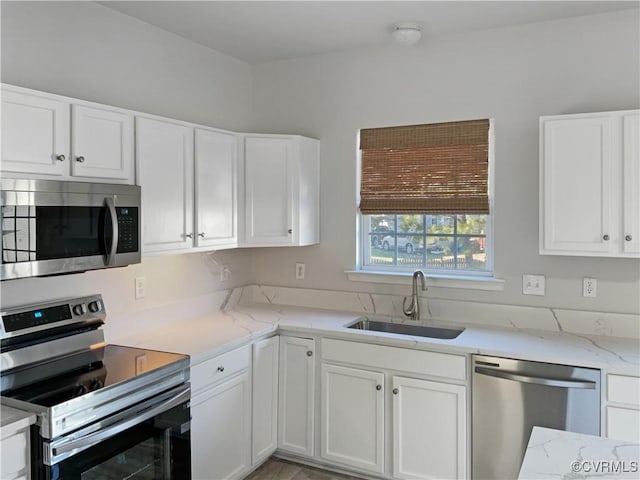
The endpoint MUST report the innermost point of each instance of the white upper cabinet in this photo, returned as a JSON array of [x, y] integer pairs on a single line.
[[101, 143], [164, 153], [35, 134], [631, 186], [589, 183], [281, 189], [216, 184], [41, 139]]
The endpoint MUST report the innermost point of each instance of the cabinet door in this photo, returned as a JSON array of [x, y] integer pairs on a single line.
[[352, 430], [15, 456], [631, 185], [216, 156], [164, 153], [268, 191], [101, 143], [576, 186], [221, 430], [296, 400], [429, 429], [35, 134], [622, 424], [265, 398]]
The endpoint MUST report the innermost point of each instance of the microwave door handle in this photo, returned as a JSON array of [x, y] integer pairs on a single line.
[[111, 253]]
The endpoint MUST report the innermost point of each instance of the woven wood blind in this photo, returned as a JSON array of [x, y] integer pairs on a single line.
[[437, 168]]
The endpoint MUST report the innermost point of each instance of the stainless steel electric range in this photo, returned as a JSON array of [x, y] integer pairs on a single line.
[[103, 411]]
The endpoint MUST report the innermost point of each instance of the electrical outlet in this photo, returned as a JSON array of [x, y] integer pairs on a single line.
[[533, 284], [300, 271], [224, 273], [589, 287], [140, 288]]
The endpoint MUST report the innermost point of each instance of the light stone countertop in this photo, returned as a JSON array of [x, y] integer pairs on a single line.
[[556, 454], [14, 420], [211, 334]]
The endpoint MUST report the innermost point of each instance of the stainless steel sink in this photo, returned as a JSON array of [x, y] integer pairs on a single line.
[[403, 329]]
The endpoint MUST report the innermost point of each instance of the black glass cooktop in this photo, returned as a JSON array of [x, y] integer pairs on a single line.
[[56, 381]]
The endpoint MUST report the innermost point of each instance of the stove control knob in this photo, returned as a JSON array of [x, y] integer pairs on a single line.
[[96, 384], [81, 390], [79, 309], [95, 306]]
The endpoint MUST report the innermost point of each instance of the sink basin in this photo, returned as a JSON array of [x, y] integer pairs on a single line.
[[403, 329]]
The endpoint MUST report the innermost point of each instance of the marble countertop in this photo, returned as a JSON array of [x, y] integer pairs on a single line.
[[13, 420], [214, 333], [556, 454]]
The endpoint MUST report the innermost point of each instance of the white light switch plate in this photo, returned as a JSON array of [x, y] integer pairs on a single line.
[[533, 284]]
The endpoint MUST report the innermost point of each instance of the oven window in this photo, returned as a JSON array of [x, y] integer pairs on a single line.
[[145, 461]]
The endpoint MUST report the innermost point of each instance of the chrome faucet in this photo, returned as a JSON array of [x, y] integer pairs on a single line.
[[414, 308]]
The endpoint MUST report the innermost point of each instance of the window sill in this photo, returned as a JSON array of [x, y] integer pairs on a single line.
[[469, 282]]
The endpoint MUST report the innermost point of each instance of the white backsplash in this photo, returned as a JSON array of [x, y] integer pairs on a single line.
[[447, 311], [434, 311]]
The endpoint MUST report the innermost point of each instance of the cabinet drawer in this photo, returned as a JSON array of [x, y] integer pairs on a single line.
[[623, 389], [393, 358], [622, 424], [217, 369], [14, 454]]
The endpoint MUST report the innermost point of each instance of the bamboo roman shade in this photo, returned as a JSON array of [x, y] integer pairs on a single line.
[[439, 168]]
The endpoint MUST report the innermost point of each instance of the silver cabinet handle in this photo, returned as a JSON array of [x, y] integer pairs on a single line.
[[188, 235], [309, 353], [396, 391], [201, 235], [378, 387], [80, 159], [605, 237], [221, 368], [627, 238], [290, 231], [61, 158], [549, 382]]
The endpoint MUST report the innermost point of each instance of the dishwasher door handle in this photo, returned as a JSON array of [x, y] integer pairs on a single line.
[[548, 382]]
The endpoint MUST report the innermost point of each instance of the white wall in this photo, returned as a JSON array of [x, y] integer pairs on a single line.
[[513, 75], [87, 51]]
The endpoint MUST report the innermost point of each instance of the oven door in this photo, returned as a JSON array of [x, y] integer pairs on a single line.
[[51, 227], [150, 441]]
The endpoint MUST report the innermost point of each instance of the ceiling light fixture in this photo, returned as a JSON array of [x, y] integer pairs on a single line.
[[407, 33]]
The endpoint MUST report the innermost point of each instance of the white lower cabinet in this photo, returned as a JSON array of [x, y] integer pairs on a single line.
[[296, 402], [14, 456], [429, 429], [622, 412], [221, 417], [352, 429], [426, 435], [264, 439]]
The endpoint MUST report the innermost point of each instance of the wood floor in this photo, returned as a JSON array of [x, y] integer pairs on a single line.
[[277, 469]]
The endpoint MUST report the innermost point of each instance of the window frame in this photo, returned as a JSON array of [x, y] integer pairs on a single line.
[[363, 246]]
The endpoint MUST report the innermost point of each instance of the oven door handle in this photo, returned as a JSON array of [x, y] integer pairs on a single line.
[[111, 254], [93, 439]]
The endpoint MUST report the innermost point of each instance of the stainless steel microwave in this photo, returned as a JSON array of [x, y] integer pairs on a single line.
[[51, 227]]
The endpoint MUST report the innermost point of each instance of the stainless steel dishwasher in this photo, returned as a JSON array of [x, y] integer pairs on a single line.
[[511, 396]]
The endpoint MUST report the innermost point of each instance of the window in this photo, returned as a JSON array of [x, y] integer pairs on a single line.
[[424, 197]]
